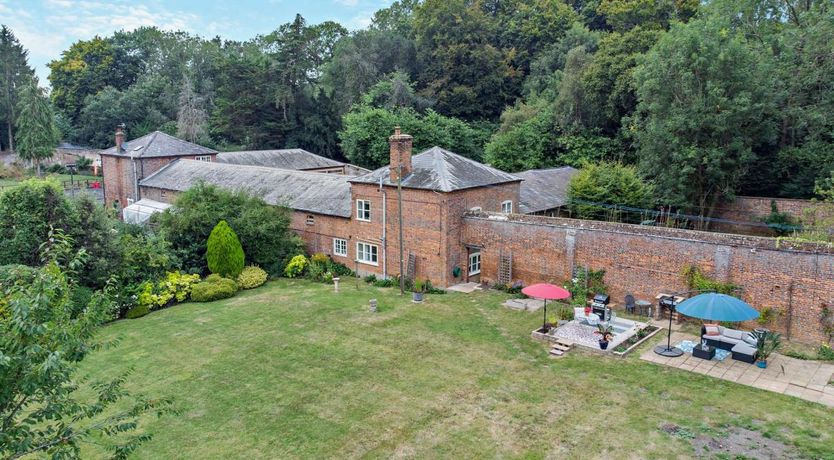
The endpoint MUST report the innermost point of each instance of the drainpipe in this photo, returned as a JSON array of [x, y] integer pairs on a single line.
[[384, 230], [135, 180]]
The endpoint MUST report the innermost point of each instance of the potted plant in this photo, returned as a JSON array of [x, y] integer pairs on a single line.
[[766, 343], [606, 333], [418, 290]]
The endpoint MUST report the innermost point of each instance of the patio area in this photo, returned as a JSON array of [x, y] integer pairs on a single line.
[[808, 380]]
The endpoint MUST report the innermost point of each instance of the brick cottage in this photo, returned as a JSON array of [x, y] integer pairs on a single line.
[[463, 221]]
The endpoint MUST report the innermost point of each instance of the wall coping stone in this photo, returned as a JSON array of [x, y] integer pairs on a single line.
[[753, 242]]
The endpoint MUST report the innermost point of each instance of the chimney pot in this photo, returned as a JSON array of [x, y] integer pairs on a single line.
[[400, 161]]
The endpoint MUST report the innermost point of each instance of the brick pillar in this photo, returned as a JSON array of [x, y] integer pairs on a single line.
[[723, 258], [570, 251]]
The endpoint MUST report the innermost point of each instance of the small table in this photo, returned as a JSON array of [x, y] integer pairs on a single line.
[[643, 307], [703, 352]]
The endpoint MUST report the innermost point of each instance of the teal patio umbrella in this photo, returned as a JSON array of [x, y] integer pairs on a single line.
[[717, 307]]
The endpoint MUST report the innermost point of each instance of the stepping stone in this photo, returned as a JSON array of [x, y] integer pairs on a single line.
[[555, 352], [565, 342]]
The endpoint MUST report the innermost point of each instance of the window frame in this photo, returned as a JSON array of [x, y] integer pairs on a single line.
[[366, 209], [336, 244], [374, 253], [474, 255], [507, 202], [203, 158]]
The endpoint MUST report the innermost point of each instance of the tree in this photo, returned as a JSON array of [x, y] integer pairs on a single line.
[[191, 116], [224, 253], [14, 73], [597, 190], [703, 107], [86, 68], [37, 136], [27, 213], [263, 229], [461, 65], [41, 345], [366, 129]]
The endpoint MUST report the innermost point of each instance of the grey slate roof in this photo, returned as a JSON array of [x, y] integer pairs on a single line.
[[443, 171], [544, 189], [298, 159], [304, 191], [158, 144]]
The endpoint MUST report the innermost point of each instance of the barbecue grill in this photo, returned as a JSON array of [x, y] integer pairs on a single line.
[[600, 306]]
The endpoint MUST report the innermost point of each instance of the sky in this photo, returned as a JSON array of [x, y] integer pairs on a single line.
[[48, 27]]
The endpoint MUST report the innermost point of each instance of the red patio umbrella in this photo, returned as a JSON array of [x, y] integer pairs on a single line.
[[546, 292]]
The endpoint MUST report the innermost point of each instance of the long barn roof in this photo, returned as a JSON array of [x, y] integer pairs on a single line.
[[319, 193], [298, 159], [544, 189]]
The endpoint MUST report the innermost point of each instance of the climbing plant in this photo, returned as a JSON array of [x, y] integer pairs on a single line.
[[697, 280]]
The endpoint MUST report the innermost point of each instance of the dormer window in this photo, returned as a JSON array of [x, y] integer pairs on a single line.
[[507, 207]]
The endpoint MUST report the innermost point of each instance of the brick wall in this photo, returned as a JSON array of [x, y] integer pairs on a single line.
[[645, 261], [754, 209], [118, 175]]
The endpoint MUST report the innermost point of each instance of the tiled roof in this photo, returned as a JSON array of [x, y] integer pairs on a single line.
[[544, 189], [298, 159], [442, 171], [158, 144], [304, 191]]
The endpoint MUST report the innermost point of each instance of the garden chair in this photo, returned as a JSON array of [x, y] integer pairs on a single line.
[[629, 303]]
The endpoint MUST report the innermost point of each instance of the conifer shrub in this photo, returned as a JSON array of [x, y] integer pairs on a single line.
[[224, 252], [251, 277]]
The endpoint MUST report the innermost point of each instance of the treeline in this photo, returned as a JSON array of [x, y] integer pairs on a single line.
[[707, 100]]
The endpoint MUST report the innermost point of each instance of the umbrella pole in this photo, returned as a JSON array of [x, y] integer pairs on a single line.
[[669, 351], [544, 319]]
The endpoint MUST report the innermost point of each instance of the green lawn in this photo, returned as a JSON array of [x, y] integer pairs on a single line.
[[294, 370]]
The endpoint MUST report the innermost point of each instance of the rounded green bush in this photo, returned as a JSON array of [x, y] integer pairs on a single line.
[[213, 289], [251, 277], [296, 266], [137, 312], [224, 252]]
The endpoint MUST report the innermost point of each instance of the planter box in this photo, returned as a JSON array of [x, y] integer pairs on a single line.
[[638, 343], [539, 335]]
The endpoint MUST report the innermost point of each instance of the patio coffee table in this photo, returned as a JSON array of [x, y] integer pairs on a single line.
[[700, 351]]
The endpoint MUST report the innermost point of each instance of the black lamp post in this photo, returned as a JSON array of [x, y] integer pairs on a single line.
[[668, 350]]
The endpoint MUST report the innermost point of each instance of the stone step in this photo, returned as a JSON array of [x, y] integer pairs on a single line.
[[560, 347], [556, 352], [566, 342]]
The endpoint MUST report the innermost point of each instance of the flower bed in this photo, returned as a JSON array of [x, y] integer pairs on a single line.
[[633, 341]]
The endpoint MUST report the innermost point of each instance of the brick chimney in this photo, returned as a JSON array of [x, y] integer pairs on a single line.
[[400, 154], [120, 137]]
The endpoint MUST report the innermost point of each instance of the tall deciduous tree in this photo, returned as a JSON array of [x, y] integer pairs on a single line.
[[462, 65], [37, 136], [703, 107], [14, 73], [191, 116]]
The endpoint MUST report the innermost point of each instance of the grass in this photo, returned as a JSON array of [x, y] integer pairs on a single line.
[[60, 177], [294, 370]]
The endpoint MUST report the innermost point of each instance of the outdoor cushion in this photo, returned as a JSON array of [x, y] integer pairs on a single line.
[[711, 329], [743, 348], [726, 339], [733, 334], [749, 339]]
